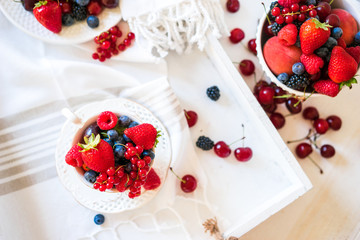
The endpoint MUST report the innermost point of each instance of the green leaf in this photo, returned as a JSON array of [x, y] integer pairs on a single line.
[[90, 143], [157, 138], [348, 83], [40, 3], [104, 134], [321, 25]]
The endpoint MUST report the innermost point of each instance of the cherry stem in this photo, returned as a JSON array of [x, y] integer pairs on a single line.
[[182, 180], [284, 96], [186, 115], [236, 141], [243, 127], [255, 78], [331, 2], [267, 17], [298, 140], [317, 165]]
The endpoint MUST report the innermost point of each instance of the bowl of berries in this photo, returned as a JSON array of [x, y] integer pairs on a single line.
[[113, 155], [310, 47]]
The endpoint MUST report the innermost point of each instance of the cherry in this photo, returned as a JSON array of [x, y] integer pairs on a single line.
[[222, 149], [321, 125], [334, 122], [333, 20], [270, 108], [303, 150], [277, 119], [243, 154], [260, 84], [293, 105], [266, 95], [310, 113], [327, 151], [247, 67], [188, 183], [323, 10], [233, 5], [236, 35], [269, 29], [191, 117], [94, 7], [252, 45], [279, 92]]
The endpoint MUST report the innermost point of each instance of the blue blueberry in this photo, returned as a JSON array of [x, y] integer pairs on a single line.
[[92, 21], [357, 38], [90, 176], [126, 138], [149, 153], [108, 141], [283, 77], [311, 2], [82, 2], [322, 52], [298, 68], [119, 151], [330, 43], [124, 121], [133, 124], [113, 134], [99, 219], [337, 33], [67, 20]]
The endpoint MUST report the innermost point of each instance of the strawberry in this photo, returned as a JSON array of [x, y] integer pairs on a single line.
[[342, 66], [287, 3], [152, 181], [73, 156], [313, 34], [354, 52], [97, 154], [341, 43], [48, 13], [312, 63], [327, 87], [144, 135], [288, 35]]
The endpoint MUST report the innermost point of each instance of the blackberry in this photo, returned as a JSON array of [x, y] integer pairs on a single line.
[[79, 12], [298, 24], [204, 143], [298, 82], [213, 93], [272, 5], [275, 28]]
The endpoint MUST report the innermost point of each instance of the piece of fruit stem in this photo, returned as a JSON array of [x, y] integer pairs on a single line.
[[182, 180], [317, 165], [267, 17]]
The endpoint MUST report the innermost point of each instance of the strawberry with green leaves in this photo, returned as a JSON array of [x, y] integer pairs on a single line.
[[48, 13], [342, 66], [97, 154], [313, 34], [144, 135]]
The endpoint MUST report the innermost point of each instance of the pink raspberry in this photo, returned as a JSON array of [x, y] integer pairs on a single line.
[[107, 120], [73, 156], [312, 63], [288, 35]]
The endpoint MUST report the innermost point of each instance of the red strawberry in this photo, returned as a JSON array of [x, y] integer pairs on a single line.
[[327, 87], [288, 35], [341, 43], [73, 156], [313, 34], [287, 3], [97, 154], [152, 181], [312, 63], [107, 120], [48, 13], [354, 52], [144, 135], [342, 66]]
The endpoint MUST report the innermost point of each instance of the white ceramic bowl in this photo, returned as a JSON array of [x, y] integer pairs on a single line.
[[349, 5]]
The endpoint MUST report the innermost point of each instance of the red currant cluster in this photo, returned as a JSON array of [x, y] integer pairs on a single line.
[[107, 42], [295, 12], [122, 177]]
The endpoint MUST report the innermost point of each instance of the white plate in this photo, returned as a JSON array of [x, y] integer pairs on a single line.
[[77, 33], [110, 202]]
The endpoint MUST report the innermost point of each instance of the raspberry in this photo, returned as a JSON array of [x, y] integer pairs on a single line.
[[213, 93], [288, 35], [354, 52], [152, 181], [312, 63], [73, 157], [204, 143], [107, 120]]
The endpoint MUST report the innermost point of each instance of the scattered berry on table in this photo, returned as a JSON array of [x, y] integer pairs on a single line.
[[321, 125], [266, 95], [232, 5], [213, 93], [334, 122], [252, 45], [67, 19], [79, 12], [205, 143], [236, 35], [293, 105], [247, 67], [93, 21], [243, 154], [327, 151], [222, 149], [191, 117], [310, 113], [99, 219], [303, 150], [90, 176], [277, 119]]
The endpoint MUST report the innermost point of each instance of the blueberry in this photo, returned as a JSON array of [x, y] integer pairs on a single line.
[[90, 176], [311, 2], [357, 38], [337, 33], [108, 141], [99, 219], [126, 138], [92, 129], [128, 167], [330, 43], [92, 21], [113, 134], [82, 2], [322, 52], [67, 20], [149, 153], [119, 151], [298, 68], [283, 77], [133, 124], [124, 121]]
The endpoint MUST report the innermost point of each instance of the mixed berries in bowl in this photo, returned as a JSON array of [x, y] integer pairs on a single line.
[[115, 153], [310, 47]]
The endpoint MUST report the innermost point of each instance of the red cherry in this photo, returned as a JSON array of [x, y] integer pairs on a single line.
[[327, 151], [259, 85], [293, 105], [94, 8], [321, 125], [65, 7], [236, 35], [334, 122], [310, 113], [303, 150], [333, 20], [277, 119], [188, 183], [232, 5], [222, 149], [247, 67], [243, 154], [191, 117], [266, 95], [252, 45], [279, 92]]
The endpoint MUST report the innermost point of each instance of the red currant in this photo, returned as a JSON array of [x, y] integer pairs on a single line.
[[122, 47], [127, 42], [295, 7], [280, 19], [110, 171], [131, 35], [289, 19], [275, 11], [285, 11], [102, 187], [140, 163]]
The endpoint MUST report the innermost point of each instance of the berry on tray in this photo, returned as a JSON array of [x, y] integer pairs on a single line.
[[213, 93], [204, 143], [232, 5], [48, 14]]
